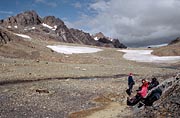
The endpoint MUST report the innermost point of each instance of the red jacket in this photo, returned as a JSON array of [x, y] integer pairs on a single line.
[[144, 90]]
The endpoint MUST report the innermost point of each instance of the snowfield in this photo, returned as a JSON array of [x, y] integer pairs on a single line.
[[24, 36], [146, 56], [72, 49]]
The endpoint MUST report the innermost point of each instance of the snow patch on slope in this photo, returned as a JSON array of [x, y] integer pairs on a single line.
[[72, 49], [50, 27], [23, 36], [156, 46], [96, 39], [146, 56]]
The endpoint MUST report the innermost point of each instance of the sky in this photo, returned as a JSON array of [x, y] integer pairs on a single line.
[[133, 22]]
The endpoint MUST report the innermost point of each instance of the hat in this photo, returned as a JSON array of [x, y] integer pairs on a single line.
[[130, 73]]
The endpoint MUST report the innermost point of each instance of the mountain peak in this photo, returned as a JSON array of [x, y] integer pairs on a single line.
[[99, 35], [23, 19]]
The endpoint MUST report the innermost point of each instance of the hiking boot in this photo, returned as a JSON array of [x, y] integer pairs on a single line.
[[140, 105]]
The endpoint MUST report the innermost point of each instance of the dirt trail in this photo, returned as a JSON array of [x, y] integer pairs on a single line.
[[108, 108], [113, 110]]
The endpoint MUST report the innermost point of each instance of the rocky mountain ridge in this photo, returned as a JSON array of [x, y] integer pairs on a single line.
[[51, 28], [177, 40], [110, 42]]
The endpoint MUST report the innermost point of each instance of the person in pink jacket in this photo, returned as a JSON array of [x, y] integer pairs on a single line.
[[144, 88]]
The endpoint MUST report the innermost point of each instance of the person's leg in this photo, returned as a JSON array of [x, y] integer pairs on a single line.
[[133, 101], [151, 99], [130, 88]]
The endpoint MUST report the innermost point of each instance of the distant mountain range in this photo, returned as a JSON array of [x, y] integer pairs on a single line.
[[50, 28]]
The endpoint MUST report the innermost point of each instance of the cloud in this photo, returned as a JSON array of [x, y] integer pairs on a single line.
[[134, 22], [77, 5], [6, 12], [51, 4]]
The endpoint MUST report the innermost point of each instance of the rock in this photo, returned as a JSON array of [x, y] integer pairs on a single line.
[[37, 60], [4, 37], [84, 69], [104, 40], [42, 91], [117, 44], [83, 38]]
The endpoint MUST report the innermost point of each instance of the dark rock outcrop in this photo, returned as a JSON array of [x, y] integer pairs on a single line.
[[177, 40], [83, 37], [104, 40], [60, 29], [4, 37], [107, 41], [117, 44]]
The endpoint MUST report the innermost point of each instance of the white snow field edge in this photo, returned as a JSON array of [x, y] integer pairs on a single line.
[[73, 49], [146, 56]]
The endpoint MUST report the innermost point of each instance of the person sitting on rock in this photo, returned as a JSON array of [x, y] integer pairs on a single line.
[[153, 96], [141, 93], [144, 88], [154, 82]]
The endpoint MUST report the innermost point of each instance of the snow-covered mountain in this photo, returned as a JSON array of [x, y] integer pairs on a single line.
[[49, 28]]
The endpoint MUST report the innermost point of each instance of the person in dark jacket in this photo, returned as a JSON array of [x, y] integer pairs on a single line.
[[154, 82], [153, 96], [130, 84]]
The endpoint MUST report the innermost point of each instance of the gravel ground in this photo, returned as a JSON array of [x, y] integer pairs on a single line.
[[60, 98], [56, 85]]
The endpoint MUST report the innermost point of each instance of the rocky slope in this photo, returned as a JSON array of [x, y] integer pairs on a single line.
[[50, 28], [168, 106], [172, 49], [177, 40], [4, 37]]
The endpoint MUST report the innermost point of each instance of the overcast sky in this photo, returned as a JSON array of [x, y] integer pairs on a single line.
[[133, 22]]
